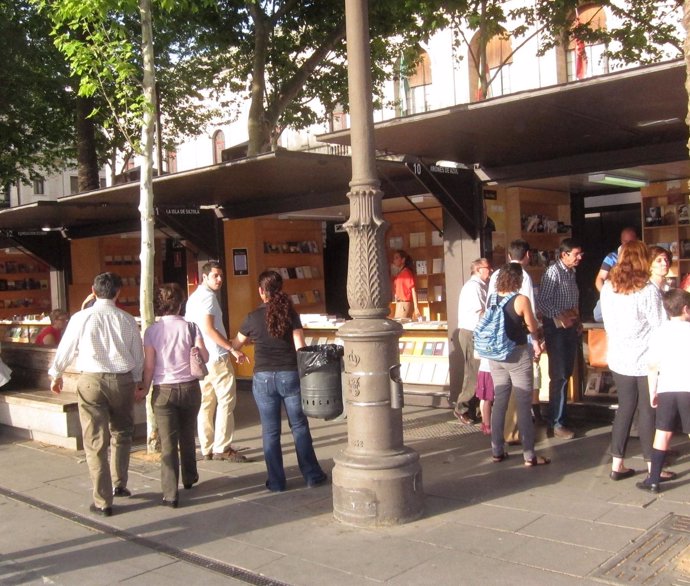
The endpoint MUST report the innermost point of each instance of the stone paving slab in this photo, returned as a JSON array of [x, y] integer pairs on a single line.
[[483, 523]]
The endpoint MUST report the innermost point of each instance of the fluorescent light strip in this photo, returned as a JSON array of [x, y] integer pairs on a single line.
[[606, 179]]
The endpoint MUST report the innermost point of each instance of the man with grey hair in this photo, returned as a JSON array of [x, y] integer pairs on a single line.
[[470, 308], [106, 342]]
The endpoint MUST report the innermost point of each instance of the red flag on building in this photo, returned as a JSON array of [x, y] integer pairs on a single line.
[[580, 53]]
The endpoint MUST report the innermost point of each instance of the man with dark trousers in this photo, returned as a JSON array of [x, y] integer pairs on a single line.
[[557, 302], [110, 357]]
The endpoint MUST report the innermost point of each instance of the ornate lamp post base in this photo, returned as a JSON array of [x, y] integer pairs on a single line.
[[377, 481]]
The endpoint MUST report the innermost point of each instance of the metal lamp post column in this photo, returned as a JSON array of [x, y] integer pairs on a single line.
[[376, 479]]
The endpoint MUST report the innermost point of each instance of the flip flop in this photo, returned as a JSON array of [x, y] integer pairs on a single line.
[[537, 461]]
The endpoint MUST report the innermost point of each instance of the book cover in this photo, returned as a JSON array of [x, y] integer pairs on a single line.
[[652, 216], [436, 238], [439, 348], [409, 348], [668, 217], [284, 272], [395, 243], [292, 273], [441, 374], [437, 266], [438, 292], [684, 248], [422, 294], [421, 267], [683, 217], [414, 372], [417, 239], [428, 349], [307, 272], [299, 272], [426, 373]]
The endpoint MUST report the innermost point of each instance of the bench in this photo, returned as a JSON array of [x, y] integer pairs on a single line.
[[28, 409]]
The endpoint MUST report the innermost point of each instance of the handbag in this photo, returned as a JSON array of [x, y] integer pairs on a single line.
[[196, 363]]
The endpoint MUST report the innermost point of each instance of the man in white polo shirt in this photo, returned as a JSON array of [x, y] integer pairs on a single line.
[[216, 422]]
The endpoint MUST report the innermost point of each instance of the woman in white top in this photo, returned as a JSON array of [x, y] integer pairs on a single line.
[[632, 310]]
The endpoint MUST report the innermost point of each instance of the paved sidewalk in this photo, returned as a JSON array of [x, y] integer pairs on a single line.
[[484, 523]]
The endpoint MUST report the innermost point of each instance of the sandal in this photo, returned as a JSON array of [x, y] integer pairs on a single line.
[[486, 429], [497, 459], [537, 461], [667, 475]]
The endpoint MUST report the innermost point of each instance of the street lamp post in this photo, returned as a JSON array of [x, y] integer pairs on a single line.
[[377, 480]]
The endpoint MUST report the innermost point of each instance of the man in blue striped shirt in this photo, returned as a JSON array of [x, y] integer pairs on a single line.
[[558, 304]]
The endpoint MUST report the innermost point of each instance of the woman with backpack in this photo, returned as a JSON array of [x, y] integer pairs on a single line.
[[510, 361]]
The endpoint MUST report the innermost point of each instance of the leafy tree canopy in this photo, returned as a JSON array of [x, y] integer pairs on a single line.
[[36, 100]]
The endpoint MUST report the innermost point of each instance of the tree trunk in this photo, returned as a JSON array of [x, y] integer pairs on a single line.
[[87, 161], [146, 194], [686, 51], [259, 134]]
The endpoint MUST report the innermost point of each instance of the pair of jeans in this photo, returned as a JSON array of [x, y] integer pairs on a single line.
[[271, 390], [106, 414], [513, 376], [561, 347], [176, 407]]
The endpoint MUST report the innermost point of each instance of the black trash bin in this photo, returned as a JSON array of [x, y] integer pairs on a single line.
[[320, 370]]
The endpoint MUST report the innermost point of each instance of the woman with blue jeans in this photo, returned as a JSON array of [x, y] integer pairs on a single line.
[[276, 332]]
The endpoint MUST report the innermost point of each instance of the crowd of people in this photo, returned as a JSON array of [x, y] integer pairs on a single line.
[[647, 323], [117, 369]]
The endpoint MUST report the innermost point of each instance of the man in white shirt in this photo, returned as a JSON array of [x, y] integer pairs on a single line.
[[109, 354], [470, 308], [216, 421]]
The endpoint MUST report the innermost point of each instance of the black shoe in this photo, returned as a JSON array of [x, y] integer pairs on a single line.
[[317, 482], [172, 504], [121, 491], [104, 512], [189, 485], [615, 475], [648, 486]]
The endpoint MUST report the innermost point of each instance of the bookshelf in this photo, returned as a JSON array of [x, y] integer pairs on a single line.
[[542, 218], [24, 285], [118, 254], [411, 232], [294, 248], [665, 223]]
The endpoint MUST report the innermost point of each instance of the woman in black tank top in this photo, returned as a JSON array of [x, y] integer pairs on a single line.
[[515, 373]]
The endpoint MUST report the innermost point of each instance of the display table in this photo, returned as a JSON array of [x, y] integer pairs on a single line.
[[424, 355]]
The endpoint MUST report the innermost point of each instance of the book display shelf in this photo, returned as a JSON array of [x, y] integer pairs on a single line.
[[412, 232], [424, 349], [665, 223], [24, 285], [542, 218]]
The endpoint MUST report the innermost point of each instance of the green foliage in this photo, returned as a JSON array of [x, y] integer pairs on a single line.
[[649, 30], [36, 100]]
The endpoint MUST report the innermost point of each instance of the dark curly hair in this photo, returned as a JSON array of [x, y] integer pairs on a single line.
[[169, 299], [509, 278], [278, 305]]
